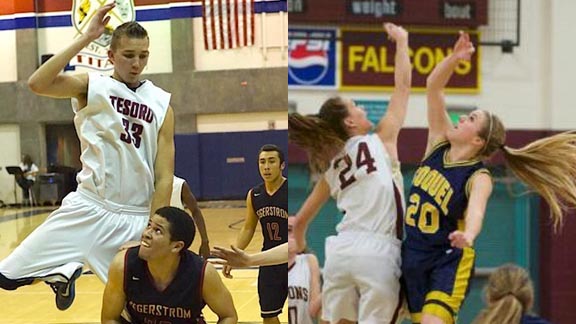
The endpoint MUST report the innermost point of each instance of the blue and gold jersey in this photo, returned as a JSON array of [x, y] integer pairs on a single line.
[[438, 199]]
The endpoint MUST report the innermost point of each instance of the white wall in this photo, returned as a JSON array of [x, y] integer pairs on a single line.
[[241, 122], [562, 64], [529, 89], [10, 143], [270, 48], [8, 72], [55, 39]]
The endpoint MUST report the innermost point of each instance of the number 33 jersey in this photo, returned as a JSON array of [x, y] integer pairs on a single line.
[[118, 131], [362, 179]]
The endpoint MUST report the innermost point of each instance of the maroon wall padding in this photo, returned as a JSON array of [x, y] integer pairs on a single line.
[[557, 251], [558, 269]]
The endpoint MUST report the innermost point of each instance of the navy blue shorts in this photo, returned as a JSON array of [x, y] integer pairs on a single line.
[[436, 282], [272, 289]]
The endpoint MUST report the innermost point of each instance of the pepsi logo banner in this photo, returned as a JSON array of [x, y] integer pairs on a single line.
[[312, 58]]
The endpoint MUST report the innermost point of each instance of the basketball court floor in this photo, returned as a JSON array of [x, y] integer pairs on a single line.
[[35, 304]]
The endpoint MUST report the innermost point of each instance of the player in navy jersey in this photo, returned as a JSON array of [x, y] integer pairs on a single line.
[[509, 295], [161, 281], [451, 188], [362, 172], [268, 203]]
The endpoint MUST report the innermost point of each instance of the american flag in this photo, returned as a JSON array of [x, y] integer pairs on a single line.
[[228, 23]]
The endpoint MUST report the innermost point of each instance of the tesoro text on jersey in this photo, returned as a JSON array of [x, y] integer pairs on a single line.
[[132, 109]]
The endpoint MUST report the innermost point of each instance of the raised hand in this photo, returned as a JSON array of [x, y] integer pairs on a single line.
[[463, 49], [395, 33], [99, 21]]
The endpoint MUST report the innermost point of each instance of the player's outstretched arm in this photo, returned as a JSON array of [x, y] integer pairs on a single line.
[[190, 201], [47, 80], [114, 298], [238, 258], [438, 120], [309, 210], [164, 164], [480, 191], [246, 233], [217, 297], [389, 126]]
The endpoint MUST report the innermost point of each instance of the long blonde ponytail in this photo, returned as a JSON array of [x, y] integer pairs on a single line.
[[548, 166]]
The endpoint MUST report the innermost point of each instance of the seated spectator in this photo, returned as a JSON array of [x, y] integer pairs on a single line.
[[509, 296], [28, 177]]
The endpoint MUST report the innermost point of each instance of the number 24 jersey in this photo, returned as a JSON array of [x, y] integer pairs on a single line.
[[362, 179]]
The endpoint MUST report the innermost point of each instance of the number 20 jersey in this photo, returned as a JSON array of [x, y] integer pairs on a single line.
[[438, 199], [361, 180], [118, 131]]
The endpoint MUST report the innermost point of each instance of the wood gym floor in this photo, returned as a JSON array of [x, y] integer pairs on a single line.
[[35, 304]]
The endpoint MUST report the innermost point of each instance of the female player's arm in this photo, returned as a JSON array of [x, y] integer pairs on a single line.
[[309, 210], [480, 190], [438, 120], [389, 126], [315, 292], [235, 257], [114, 298], [217, 296], [164, 164]]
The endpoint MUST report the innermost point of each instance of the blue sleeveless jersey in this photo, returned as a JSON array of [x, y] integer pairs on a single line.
[[272, 211], [438, 199]]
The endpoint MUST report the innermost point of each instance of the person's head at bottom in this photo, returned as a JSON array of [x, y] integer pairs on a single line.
[[509, 296], [170, 232]]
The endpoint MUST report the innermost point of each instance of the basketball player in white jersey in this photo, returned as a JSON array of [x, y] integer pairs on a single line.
[[362, 172], [304, 297], [182, 197], [126, 132]]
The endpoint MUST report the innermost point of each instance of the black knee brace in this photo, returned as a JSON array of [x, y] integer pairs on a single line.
[[12, 284]]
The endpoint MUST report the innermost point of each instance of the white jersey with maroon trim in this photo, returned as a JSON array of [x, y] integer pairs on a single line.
[[118, 131], [299, 291], [361, 179]]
